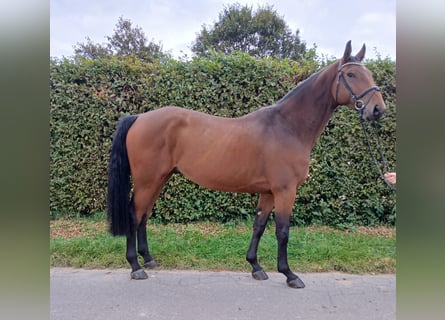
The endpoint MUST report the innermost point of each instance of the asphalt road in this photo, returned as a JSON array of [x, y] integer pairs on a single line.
[[111, 295]]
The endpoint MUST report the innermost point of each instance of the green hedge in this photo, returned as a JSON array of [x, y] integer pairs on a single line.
[[88, 97]]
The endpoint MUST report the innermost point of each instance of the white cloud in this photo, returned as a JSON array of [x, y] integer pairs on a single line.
[[175, 23]]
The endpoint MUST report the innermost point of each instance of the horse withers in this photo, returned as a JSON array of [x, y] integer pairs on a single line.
[[266, 152]]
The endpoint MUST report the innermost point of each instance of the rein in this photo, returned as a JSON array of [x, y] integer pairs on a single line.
[[374, 125], [360, 106]]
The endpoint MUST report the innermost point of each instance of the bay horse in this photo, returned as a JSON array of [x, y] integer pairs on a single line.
[[266, 151]]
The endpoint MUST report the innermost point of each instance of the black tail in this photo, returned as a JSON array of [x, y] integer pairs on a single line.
[[119, 187]]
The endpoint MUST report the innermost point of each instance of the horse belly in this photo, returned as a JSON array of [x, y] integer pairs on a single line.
[[225, 162], [248, 170], [229, 183], [226, 178]]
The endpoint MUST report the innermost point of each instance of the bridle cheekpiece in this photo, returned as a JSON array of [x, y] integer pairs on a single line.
[[358, 103]]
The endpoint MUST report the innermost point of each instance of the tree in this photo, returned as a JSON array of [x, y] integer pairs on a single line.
[[90, 50], [126, 41], [262, 33]]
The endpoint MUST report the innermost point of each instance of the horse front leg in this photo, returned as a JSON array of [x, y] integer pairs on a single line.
[[263, 210], [283, 210]]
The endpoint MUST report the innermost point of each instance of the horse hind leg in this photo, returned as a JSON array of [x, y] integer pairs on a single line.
[[137, 273], [265, 206], [143, 200], [143, 249]]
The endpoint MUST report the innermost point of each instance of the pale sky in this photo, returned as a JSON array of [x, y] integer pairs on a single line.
[[175, 23]]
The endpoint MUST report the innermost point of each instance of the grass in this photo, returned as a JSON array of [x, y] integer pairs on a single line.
[[211, 246]]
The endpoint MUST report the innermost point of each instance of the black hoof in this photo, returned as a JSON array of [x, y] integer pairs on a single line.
[[139, 275], [295, 283], [151, 264], [260, 275]]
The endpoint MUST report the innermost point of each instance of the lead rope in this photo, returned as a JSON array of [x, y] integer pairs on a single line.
[[380, 149]]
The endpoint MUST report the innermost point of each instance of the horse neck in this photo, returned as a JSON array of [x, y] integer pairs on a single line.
[[310, 105]]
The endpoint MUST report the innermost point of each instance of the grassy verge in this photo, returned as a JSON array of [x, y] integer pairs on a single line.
[[211, 246]]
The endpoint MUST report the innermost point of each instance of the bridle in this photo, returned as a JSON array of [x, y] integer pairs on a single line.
[[358, 103], [360, 106]]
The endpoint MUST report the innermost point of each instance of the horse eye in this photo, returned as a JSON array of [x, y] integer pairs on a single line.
[[350, 74]]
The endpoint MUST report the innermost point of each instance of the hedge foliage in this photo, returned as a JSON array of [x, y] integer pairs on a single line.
[[88, 97]]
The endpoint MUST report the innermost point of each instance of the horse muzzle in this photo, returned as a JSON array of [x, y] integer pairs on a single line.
[[373, 113]]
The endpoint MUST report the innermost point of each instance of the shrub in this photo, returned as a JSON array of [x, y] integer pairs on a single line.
[[88, 97]]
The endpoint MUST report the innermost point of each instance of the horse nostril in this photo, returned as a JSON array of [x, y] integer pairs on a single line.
[[377, 113]]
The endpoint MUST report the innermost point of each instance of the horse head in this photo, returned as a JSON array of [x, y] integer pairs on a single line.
[[355, 86]]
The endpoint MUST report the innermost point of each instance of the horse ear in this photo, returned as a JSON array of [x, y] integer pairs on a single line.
[[361, 54], [347, 53]]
